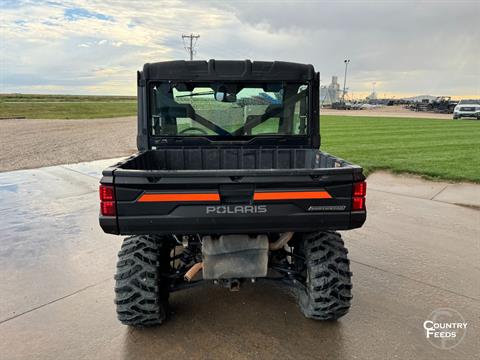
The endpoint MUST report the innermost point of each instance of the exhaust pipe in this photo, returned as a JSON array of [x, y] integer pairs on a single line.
[[190, 274], [282, 241]]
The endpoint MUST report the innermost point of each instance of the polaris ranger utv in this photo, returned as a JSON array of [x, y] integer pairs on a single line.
[[229, 186]]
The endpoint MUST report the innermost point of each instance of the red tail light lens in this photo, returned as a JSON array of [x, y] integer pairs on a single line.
[[358, 203], [107, 200], [360, 188], [106, 193], [107, 208], [358, 196]]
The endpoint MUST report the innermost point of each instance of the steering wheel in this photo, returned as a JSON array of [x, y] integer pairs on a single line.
[[193, 128]]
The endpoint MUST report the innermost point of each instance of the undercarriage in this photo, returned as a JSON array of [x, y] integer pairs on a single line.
[[313, 265]]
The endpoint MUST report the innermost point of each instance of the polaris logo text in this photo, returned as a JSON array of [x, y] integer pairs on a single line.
[[237, 209]]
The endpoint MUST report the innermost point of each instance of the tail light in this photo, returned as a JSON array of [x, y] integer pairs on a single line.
[[106, 193], [358, 195], [360, 188], [107, 208], [107, 200]]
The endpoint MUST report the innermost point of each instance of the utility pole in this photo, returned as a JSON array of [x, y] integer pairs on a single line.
[[190, 48], [346, 61]]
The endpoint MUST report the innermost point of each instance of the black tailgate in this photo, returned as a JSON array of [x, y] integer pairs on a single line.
[[234, 201]]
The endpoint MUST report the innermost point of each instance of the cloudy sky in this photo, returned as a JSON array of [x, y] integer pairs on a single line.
[[95, 47]]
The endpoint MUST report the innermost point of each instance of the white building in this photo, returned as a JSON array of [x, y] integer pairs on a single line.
[[331, 93]]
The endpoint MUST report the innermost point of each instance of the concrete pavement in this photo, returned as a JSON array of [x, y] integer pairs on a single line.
[[416, 253], [466, 194]]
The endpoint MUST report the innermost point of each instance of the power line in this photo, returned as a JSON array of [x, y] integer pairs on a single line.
[[190, 48]]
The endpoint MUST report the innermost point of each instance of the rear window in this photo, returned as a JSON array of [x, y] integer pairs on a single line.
[[228, 109]]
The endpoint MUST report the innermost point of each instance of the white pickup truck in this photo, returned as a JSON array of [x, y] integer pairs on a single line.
[[467, 108]]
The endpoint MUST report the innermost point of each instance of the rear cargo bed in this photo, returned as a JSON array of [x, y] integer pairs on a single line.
[[231, 159], [232, 190]]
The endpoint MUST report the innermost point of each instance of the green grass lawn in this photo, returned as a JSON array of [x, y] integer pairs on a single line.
[[437, 149], [66, 106]]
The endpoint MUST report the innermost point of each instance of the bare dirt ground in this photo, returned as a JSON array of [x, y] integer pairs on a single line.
[[387, 111], [27, 143]]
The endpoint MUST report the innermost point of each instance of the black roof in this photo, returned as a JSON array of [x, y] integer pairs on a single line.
[[227, 70]]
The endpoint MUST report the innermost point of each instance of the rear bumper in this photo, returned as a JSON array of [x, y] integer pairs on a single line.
[[230, 224]]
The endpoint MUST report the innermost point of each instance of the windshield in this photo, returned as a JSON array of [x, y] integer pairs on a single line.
[[469, 102], [228, 109]]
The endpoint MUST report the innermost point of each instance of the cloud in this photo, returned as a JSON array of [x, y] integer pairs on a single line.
[[73, 14], [96, 47], [407, 46]]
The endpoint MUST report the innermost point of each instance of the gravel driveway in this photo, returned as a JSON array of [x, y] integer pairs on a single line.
[[26, 143]]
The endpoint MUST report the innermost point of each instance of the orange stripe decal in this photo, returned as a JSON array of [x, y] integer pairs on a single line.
[[291, 195], [179, 197]]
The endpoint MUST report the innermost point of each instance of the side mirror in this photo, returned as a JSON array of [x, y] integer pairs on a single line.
[[219, 96]]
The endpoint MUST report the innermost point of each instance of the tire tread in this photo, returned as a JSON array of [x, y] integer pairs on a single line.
[[327, 294], [139, 299]]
